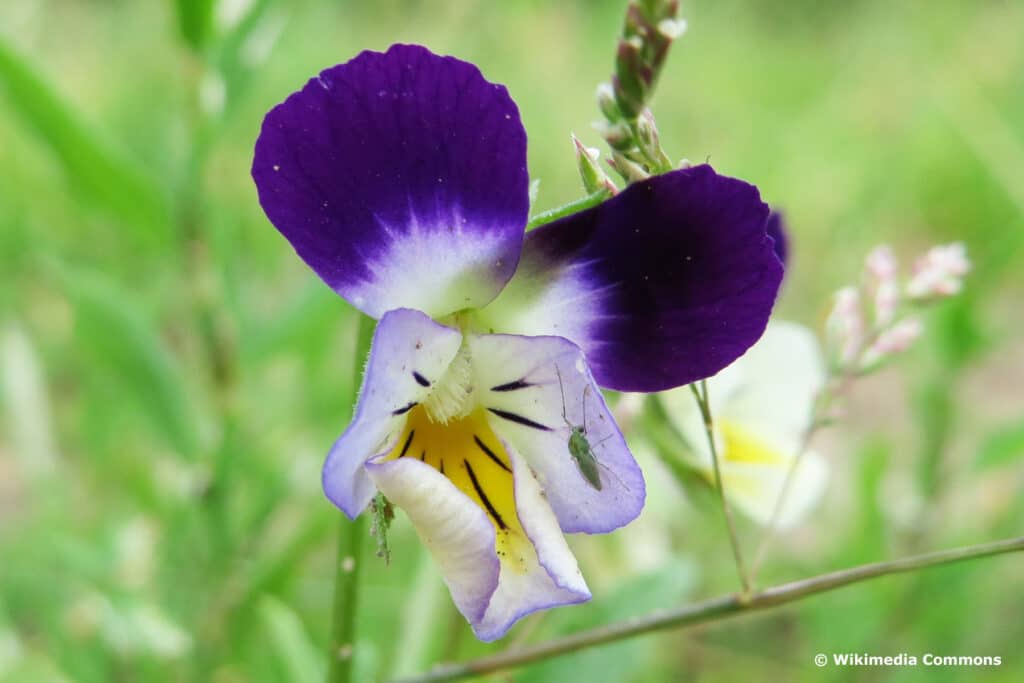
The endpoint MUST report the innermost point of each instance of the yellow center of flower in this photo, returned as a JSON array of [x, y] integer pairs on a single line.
[[739, 444], [469, 454]]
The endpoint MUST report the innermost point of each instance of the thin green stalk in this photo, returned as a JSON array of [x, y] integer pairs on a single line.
[[351, 539], [713, 610], [552, 215], [835, 385], [780, 500], [701, 396]]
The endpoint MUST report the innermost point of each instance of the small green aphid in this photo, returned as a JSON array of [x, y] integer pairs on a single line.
[[579, 445], [382, 514]]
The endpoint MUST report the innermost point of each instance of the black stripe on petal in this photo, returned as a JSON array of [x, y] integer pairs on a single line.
[[519, 419], [420, 379], [405, 409], [483, 497], [490, 454], [512, 386], [405, 448]]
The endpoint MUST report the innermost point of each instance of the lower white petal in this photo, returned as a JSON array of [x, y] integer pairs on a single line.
[[773, 387], [546, 577], [455, 530], [480, 511], [755, 488]]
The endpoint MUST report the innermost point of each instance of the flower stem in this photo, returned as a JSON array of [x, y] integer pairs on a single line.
[[701, 396], [552, 215], [836, 384], [780, 500], [351, 537], [714, 610]]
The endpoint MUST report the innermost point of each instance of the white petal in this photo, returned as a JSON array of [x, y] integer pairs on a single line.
[[770, 391], [755, 488], [409, 352], [535, 572], [775, 384], [455, 530], [550, 577], [537, 390]]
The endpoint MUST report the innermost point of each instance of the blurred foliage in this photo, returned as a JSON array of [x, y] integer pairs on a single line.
[[173, 375]]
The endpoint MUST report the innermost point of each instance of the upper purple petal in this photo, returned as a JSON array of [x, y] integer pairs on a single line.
[[400, 178], [662, 285], [776, 229]]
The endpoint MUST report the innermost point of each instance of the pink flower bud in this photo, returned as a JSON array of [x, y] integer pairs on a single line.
[[939, 273], [880, 270], [881, 264], [844, 329], [896, 339]]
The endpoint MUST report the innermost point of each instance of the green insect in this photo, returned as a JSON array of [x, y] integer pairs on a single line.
[[382, 514], [580, 449]]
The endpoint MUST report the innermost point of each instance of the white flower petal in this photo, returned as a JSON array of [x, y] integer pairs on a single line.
[[774, 385], [495, 576], [536, 390], [755, 488], [548, 577], [409, 353], [455, 530]]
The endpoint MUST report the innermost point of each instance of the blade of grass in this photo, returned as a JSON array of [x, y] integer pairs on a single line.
[[96, 167]]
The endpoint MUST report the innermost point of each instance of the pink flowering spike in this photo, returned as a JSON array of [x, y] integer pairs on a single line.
[[939, 273], [892, 341], [880, 273], [845, 327]]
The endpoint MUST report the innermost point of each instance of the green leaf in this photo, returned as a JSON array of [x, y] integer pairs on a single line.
[[195, 21], [292, 648], [116, 335], [97, 169]]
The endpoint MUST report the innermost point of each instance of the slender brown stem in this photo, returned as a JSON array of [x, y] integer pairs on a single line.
[[713, 610], [701, 396]]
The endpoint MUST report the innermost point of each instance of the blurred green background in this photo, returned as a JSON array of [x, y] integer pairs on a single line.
[[172, 375]]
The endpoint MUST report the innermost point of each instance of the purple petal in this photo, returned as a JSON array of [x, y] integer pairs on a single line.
[[409, 352], [776, 229], [665, 284], [400, 178]]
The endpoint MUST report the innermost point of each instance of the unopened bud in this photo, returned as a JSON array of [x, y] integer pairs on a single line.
[[594, 177], [896, 339], [606, 102], [672, 28], [617, 135], [939, 273], [630, 171], [881, 263], [631, 77], [844, 329], [880, 269], [647, 134]]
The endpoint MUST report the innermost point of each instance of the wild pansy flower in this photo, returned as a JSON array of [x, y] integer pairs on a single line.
[[763, 406], [400, 178]]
